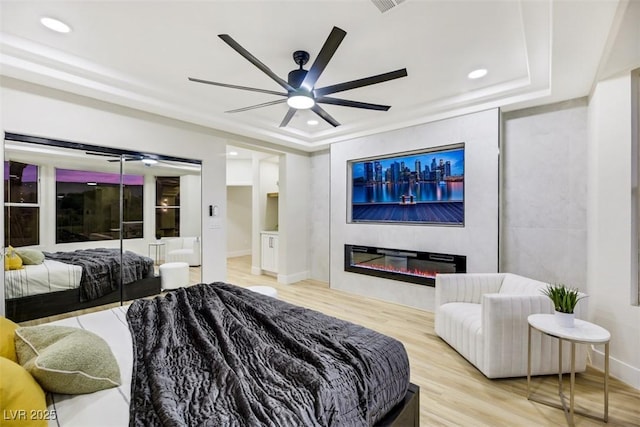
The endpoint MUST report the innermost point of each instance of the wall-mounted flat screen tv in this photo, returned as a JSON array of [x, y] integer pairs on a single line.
[[418, 187]]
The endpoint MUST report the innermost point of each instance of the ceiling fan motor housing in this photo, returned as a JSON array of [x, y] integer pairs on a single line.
[[296, 77]]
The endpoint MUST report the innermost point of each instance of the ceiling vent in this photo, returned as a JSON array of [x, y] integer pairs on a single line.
[[385, 5]]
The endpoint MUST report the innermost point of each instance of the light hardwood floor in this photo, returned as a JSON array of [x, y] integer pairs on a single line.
[[452, 391]]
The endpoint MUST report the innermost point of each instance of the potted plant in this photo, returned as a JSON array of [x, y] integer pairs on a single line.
[[564, 301]]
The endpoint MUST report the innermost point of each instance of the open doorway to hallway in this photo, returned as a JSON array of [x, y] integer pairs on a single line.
[[253, 206]]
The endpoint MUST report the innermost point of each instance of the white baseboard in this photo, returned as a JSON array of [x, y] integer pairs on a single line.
[[622, 371], [293, 278], [241, 252], [256, 271]]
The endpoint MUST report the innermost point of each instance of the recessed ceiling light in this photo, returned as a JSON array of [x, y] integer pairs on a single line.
[[92, 183], [55, 25], [476, 74], [233, 153], [312, 122]]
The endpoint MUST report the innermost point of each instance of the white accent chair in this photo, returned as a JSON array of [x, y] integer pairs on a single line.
[[183, 249], [484, 318]]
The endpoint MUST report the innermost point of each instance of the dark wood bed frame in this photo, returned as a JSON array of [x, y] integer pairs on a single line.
[[405, 413], [44, 305]]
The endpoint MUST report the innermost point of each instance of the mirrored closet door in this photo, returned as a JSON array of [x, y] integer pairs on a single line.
[[87, 226]]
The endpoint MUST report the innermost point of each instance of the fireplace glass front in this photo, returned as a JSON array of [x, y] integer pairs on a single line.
[[404, 265]]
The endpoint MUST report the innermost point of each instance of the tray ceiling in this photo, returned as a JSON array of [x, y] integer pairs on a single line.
[[140, 53]]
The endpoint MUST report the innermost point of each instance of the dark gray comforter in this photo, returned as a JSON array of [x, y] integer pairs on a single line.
[[101, 269], [220, 355]]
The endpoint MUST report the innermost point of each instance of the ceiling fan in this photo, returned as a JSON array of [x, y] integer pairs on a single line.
[[300, 84], [146, 160]]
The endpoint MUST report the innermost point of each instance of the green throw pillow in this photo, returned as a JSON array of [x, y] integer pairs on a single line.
[[67, 360], [30, 256]]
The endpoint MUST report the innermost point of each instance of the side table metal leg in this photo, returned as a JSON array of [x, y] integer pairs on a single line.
[[560, 367], [529, 364], [573, 382], [606, 382]]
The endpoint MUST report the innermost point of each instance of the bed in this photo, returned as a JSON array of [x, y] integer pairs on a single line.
[[68, 281], [219, 354], [50, 276]]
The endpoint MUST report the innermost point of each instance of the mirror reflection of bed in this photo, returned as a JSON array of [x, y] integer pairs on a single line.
[[82, 219]]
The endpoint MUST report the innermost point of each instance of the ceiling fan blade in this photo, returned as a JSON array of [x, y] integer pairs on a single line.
[[326, 53], [264, 104], [355, 104], [114, 157], [126, 159], [252, 89], [96, 153], [325, 116], [361, 82], [255, 61], [288, 117]]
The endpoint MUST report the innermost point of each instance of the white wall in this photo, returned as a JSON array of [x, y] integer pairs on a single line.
[[610, 237], [239, 172], [294, 185], [190, 206], [34, 110], [478, 239], [319, 216], [544, 192], [239, 212]]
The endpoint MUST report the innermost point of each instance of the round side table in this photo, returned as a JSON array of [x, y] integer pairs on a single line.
[[158, 246], [583, 332]]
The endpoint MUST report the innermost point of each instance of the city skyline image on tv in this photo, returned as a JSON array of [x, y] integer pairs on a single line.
[[425, 187]]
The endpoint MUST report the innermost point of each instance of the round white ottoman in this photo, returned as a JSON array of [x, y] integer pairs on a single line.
[[264, 290], [174, 275]]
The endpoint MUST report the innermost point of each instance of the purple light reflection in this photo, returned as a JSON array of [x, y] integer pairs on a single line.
[[70, 175], [29, 174]]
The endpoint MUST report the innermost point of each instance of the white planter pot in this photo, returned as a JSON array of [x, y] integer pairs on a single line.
[[565, 320]]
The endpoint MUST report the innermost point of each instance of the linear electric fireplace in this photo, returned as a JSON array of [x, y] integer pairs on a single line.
[[404, 265]]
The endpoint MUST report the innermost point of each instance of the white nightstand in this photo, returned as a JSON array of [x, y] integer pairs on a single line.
[[582, 333]]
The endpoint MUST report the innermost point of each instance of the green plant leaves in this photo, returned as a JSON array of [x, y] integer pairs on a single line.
[[564, 299]]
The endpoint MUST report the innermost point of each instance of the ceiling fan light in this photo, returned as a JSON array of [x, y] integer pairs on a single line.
[[300, 102]]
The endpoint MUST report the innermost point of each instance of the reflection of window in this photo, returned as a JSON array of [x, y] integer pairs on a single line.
[[167, 206], [21, 208], [88, 206]]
